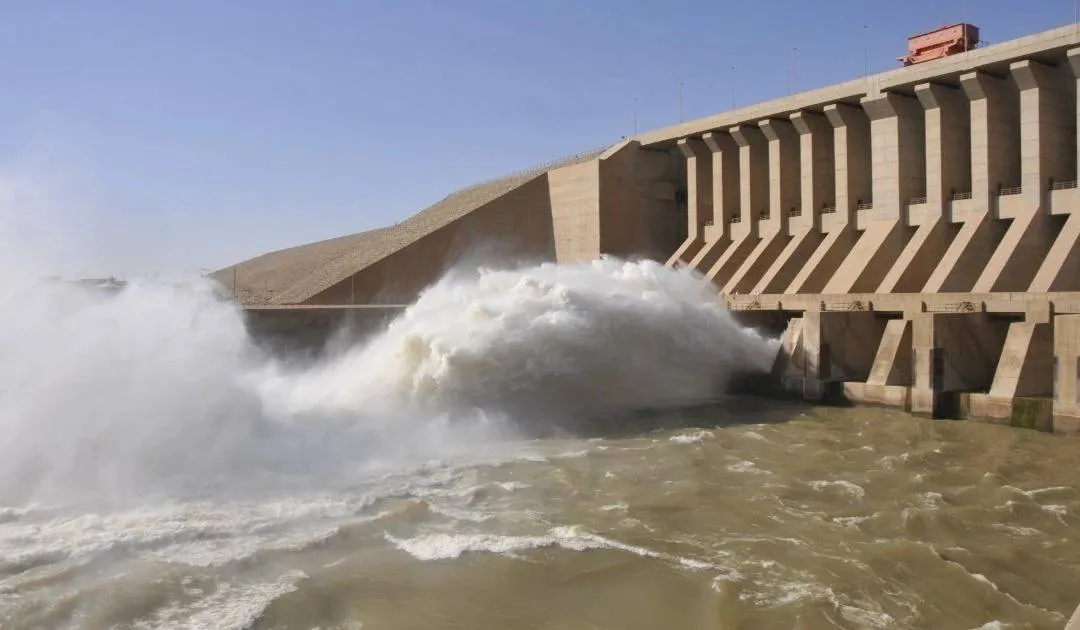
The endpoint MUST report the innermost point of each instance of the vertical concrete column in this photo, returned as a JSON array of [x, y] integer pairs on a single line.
[[1045, 153], [818, 167], [946, 159], [994, 154], [852, 178], [699, 193], [948, 142], [994, 151], [801, 189], [1045, 120], [924, 386], [815, 357], [753, 177], [1074, 63], [725, 198], [851, 145], [898, 151], [784, 166], [783, 191], [725, 175], [1066, 374]]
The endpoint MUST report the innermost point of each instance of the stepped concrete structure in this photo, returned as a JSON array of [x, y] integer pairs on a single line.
[[914, 235]]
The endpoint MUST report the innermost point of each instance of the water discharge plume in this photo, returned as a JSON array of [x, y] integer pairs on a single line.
[[156, 389], [544, 343]]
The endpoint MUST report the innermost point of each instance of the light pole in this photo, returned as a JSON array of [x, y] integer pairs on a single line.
[[733, 86], [680, 101]]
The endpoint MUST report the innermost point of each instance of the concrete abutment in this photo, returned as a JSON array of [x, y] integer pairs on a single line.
[[1007, 361]]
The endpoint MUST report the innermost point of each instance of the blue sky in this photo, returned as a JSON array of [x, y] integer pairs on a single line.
[[173, 135]]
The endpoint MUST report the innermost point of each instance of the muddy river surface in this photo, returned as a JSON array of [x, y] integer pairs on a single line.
[[709, 518]]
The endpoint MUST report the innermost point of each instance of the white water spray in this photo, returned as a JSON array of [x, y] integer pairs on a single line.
[[542, 342], [157, 390]]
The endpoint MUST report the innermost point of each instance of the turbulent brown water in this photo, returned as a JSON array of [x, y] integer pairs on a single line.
[[158, 470], [743, 516]]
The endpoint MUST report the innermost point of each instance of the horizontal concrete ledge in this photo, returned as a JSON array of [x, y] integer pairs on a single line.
[[1004, 303], [327, 307]]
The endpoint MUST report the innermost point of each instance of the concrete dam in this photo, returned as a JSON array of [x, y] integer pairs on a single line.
[[914, 234]]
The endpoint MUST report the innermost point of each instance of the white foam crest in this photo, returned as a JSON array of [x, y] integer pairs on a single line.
[[547, 340], [158, 388], [745, 466], [197, 534], [692, 437], [853, 490], [230, 606], [442, 546]]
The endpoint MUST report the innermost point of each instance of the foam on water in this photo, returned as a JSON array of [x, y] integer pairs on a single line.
[[146, 420], [447, 546], [158, 387]]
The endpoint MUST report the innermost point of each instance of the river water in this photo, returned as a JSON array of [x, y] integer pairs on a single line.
[[158, 471]]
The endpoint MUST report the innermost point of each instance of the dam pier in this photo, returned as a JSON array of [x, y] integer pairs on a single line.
[[914, 234]]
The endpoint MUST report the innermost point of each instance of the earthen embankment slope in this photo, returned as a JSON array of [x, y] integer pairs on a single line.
[[294, 275]]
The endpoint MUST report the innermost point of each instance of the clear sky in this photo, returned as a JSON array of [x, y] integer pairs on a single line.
[[185, 134]]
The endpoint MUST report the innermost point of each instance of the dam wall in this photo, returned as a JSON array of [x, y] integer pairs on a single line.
[[916, 231], [914, 235]]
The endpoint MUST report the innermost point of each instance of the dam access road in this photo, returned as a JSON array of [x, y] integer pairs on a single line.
[[915, 234]]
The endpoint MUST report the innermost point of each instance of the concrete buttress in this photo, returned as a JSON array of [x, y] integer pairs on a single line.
[[753, 197], [784, 192], [1043, 156], [699, 198], [725, 192]]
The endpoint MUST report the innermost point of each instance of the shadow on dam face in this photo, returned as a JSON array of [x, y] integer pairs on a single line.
[[303, 335]]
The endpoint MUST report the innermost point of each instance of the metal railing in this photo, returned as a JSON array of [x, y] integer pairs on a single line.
[[764, 215], [959, 196], [828, 209], [736, 219], [1061, 185], [1005, 191], [917, 200], [794, 212], [864, 205]]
